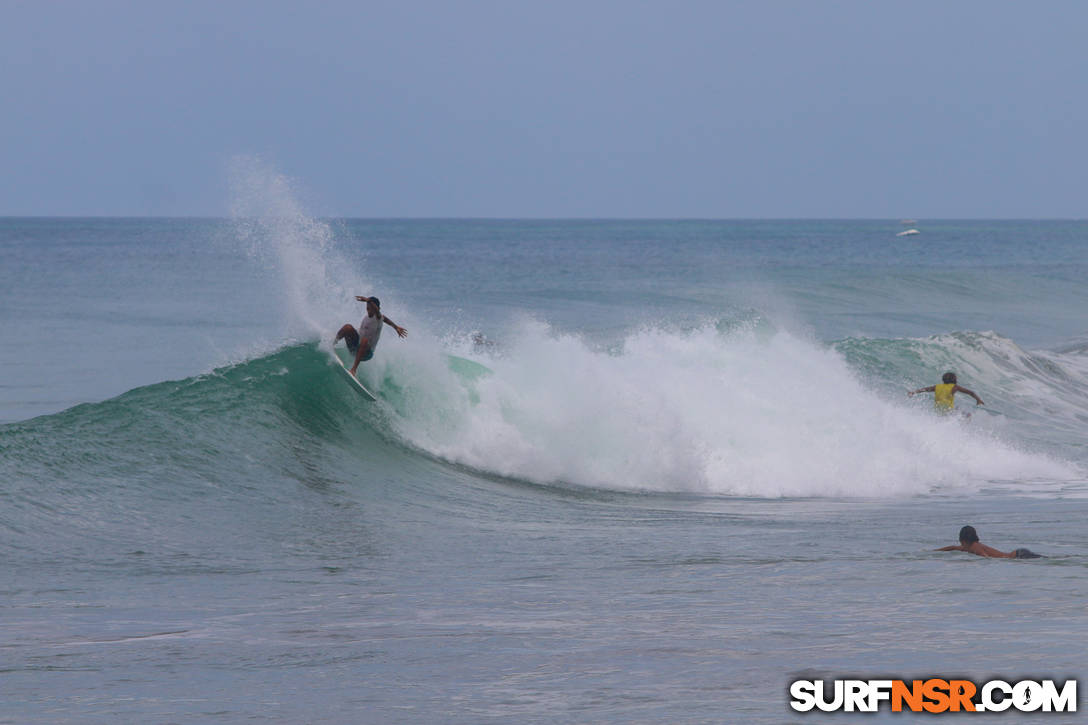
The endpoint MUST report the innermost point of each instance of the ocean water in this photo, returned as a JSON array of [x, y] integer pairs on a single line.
[[689, 476]]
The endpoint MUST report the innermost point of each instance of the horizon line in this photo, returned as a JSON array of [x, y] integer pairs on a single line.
[[203, 217]]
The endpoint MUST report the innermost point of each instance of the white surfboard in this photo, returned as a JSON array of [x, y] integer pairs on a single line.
[[345, 359]]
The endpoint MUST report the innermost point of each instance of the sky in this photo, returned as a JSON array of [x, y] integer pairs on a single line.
[[564, 108]]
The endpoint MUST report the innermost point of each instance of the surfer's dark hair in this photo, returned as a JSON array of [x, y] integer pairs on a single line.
[[376, 301], [948, 378], [968, 535]]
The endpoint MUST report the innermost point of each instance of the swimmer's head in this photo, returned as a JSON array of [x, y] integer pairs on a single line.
[[948, 378], [968, 535]]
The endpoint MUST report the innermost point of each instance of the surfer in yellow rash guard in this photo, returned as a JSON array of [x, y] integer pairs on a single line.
[[944, 394]]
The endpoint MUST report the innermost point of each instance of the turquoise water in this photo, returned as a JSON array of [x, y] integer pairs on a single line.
[[690, 475]]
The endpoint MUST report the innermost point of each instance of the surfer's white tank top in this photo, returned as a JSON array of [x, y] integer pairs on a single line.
[[370, 329]]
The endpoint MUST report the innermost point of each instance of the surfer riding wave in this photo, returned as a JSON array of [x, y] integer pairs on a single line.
[[363, 341]]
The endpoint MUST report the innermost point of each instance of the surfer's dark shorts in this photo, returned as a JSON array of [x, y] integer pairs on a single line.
[[1026, 554], [353, 346]]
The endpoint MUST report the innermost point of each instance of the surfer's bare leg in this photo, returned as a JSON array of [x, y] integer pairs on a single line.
[[349, 333], [360, 354]]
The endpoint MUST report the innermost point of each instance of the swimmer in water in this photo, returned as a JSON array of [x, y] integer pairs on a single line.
[[944, 394], [969, 542]]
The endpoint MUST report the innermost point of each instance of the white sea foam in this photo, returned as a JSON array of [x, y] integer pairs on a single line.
[[701, 411]]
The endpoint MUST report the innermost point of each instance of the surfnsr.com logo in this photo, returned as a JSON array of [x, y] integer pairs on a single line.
[[933, 695]]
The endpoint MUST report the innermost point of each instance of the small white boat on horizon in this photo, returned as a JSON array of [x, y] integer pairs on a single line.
[[908, 233]]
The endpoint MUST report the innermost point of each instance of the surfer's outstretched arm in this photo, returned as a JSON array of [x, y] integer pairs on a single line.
[[965, 391], [930, 389], [979, 549], [400, 330]]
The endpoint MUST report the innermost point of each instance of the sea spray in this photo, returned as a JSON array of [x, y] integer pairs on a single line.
[[278, 234]]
